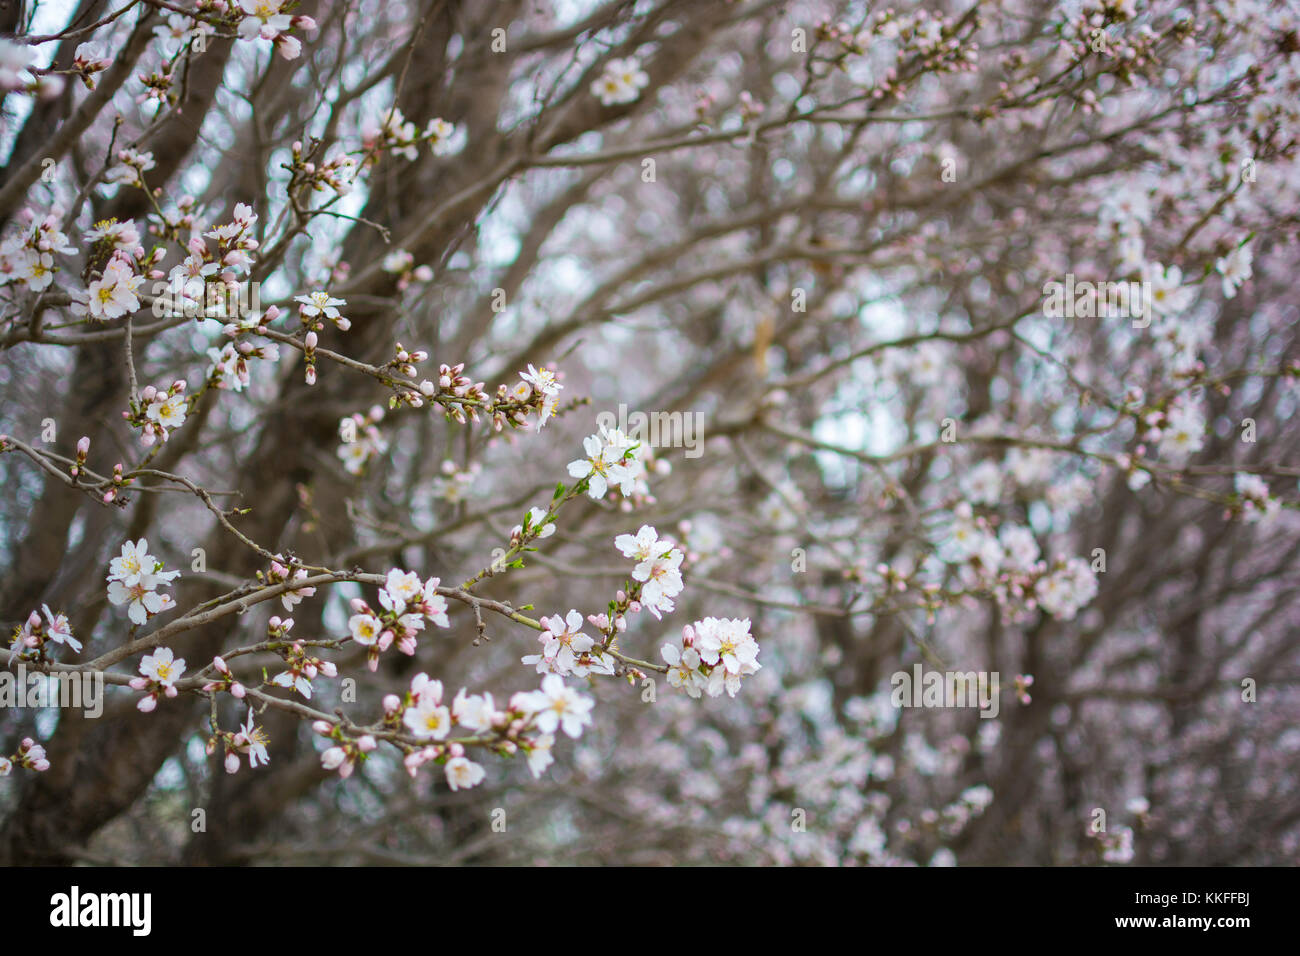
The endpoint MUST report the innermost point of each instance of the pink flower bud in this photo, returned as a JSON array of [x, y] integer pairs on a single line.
[[149, 393], [33, 619], [83, 445], [147, 704], [310, 340], [456, 750], [391, 704], [272, 314], [232, 763], [333, 758], [322, 727], [237, 691], [367, 744]]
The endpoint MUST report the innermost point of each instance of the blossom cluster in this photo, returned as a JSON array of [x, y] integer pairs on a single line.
[[158, 411], [206, 284], [249, 741], [1256, 504], [621, 81], [361, 439], [401, 263], [398, 134], [657, 571], [1008, 561], [229, 368], [315, 307], [566, 650], [18, 75], [614, 460], [113, 294], [29, 640], [337, 171], [130, 167], [455, 484], [536, 391], [715, 654], [264, 19], [278, 574], [30, 755], [301, 668], [28, 258], [159, 673], [134, 578], [529, 723], [406, 605]]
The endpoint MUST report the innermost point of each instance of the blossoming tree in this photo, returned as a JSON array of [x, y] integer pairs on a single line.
[[314, 317]]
